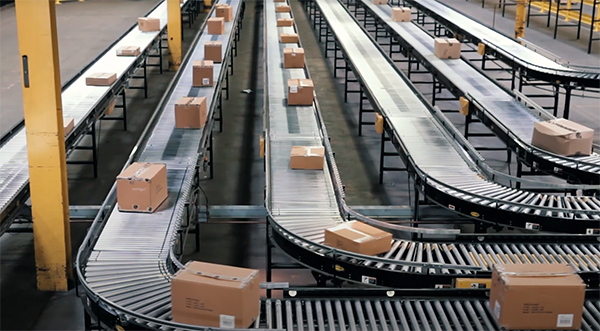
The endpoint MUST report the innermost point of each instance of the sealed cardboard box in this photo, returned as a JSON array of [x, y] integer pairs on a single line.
[[68, 125], [563, 137], [481, 49], [202, 73], [300, 92], [463, 105], [380, 2], [142, 187], [537, 296], [128, 51], [215, 295], [283, 9], [225, 11], [285, 22], [401, 14], [307, 157], [359, 238], [446, 48], [213, 51], [293, 58], [147, 24], [190, 113], [216, 25], [379, 121], [288, 38], [101, 79]]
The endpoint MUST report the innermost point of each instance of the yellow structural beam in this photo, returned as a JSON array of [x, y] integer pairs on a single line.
[[174, 33], [520, 18], [38, 48]]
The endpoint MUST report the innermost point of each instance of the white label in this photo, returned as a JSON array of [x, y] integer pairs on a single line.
[[205, 81], [532, 226], [294, 54], [592, 231], [294, 89], [451, 207], [564, 321], [497, 310], [369, 280], [226, 321]]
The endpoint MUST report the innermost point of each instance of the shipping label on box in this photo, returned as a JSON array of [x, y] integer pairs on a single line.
[[283, 9], [68, 125], [359, 238], [190, 113], [563, 137], [202, 73], [285, 22], [142, 187], [148, 24], [216, 25], [128, 51], [225, 11], [300, 92], [293, 58], [401, 14], [213, 51], [307, 157], [101, 79], [446, 48]]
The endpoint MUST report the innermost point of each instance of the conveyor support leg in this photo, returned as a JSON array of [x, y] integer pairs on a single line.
[[174, 34]]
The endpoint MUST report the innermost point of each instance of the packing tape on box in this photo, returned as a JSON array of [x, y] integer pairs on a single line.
[[243, 280], [577, 133], [140, 171], [309, 149], [537, 274]]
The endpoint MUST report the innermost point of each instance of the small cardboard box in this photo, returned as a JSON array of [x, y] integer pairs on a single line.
[[379, 2], [142, 187], [446, 48], [473, 283], [307, 157], [202, 73], [101, 79], [537, 296], [288, 38], [401, 14], [190, 113], [293, 58], [285, 22], [213, 51], [359, 238], [216, 25], [463, 105], [379, 123], [215, 295], [148, 24], [563, 137], [283, 9], [481, 49], [225, 11], [128, 51], [68, 125], [300, 92]]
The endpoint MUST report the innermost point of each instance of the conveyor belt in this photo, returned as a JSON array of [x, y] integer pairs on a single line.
[[511, 119], [82, 103]]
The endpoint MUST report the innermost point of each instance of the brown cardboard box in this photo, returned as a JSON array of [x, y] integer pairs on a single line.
[[537, 296], [481, 49], [147, 24], [293, 58], [101, 79], [142, 187], [128, 51], [307, 157], [190, 113], [401, 14], [464, 106], [379, 121], [563, 137], [202, 73], [225, 11], [359, 238], [472, 283], [215, 295], [285, 22], [288, 38], [262, 146], [282, 9], [300, 92], [68, 125], [213, 51], [216, 25], [446, 48], [380, 2]]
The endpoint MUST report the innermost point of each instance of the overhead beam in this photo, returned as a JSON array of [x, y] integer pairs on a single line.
[[174, 33]]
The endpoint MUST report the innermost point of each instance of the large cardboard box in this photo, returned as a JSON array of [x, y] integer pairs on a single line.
[[359, 238], [213, 51], [148, 24], [380, 2], [285, 22], [190, 113], [307, 157], [101, 79], [216, 25], [142, 187], [300, 92], [215, 295], [401, 14], [293, 58], [563, 137], [68, 125], [446, 48], [537, 296], [225, 11], [288, 38], [128, 51], [202, 73], [282, 9]]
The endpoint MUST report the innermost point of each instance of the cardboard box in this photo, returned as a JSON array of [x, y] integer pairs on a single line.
[[262, 146], [111, 107], [285, 22], [288, 38], [216, 25], [473, 283], [128, 51], [142, 187], [283, 9], [307, 157], [190, 113], [401, 14], [563, 137], [293, 58], [202, 73], [380, 2], [446, 48], [379, 121], [101, 79], [68, 125], [225, 11], [463, 105], [481, 49], [300, 92], [215, 295], [213, 51], [537, 296], [147, 24], [359, 238]]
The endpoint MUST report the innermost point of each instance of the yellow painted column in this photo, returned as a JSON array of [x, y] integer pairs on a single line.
[[38, 48], [520, 18], [174, 33]]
